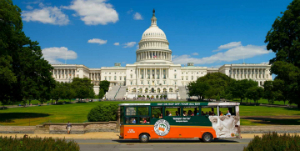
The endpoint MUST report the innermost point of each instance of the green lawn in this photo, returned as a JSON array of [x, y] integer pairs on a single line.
[[264, 101], [78, 113]]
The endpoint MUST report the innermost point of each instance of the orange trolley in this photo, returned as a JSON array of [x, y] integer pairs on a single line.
[[202, 120]]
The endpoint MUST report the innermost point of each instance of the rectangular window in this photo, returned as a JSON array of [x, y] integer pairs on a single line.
[[109, 78], [173, 111], [124, 78], [105, 78], [120, 78], [187, 78], [131, 120], [175, 76], [191, 111], [115, 77], [164, 82], [143, 111], [130, 111], [156, 112], [142, 82], [211, 110]]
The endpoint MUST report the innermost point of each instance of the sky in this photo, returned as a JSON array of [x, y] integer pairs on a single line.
[[99, 33]]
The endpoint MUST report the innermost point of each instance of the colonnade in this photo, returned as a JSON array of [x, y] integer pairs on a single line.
[[63, 73], [147, 45], [95, 77], [151, 90], [154, 55], [152, 74], [246, 73]]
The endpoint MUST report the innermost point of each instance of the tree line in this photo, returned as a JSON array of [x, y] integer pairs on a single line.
[[220, 86]]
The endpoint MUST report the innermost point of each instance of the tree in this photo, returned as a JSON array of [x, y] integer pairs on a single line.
[[69, 91], [56, 93], [83, 88], [104, 85], [210, 85], [254, 93], [24, 73], [269, 91], [239, 88], [101, 93], [283, 40]]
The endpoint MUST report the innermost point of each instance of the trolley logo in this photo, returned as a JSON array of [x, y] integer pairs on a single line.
[[162, 127]]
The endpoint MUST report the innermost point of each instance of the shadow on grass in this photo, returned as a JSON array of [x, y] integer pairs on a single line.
[[273, 121], [3, 108], [9, 117]]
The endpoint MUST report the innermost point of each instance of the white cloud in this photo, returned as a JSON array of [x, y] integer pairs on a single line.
[[116, 43], [46, 15], [228, 46], [94, 12], [53, 53], [137, 16], [195, 54], [96, 40], [29, 7], [129, 44], [236, 53]]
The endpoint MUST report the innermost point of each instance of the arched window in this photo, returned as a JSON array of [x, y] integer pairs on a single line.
[[170, 90], [164, 90], [134, 90]]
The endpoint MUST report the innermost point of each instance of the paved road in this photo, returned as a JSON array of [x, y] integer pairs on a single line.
[[159, 145]]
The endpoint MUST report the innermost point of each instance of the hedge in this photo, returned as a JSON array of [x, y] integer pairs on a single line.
[[274, 142], [37, 144], [103, 113]]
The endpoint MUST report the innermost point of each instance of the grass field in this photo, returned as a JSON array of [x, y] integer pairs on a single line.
[[264, 101], [78, 113]]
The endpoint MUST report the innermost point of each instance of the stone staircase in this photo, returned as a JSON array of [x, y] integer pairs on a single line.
[[121, 93], [183, 92], [112, 92]]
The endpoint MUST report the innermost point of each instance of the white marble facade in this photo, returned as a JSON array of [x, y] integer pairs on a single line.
[[154, 72]]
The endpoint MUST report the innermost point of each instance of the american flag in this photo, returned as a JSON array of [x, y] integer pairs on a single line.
[[154, 56]]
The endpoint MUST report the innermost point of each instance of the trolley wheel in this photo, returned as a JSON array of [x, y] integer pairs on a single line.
[[207, 137], [144, 138]]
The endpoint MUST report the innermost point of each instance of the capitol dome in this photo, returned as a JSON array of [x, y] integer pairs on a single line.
[[154, 46], [154, 32]]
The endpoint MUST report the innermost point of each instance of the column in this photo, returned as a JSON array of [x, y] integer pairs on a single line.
[[155, 74]]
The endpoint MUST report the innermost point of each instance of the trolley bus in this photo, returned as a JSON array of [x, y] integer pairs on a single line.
[[203, 120]]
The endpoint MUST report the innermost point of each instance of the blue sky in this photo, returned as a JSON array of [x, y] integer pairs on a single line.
[[208, 33]]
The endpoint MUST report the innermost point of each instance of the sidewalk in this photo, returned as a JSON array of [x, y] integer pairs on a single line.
[[100, 135]]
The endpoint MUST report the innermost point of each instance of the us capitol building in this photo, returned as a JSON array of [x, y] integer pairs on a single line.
[[154, 74]]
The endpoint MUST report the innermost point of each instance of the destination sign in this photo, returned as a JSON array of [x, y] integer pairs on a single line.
[[181, 119]]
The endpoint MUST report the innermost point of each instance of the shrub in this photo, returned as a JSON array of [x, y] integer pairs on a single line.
[[37, 144], [274, 142], [103, 113]]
